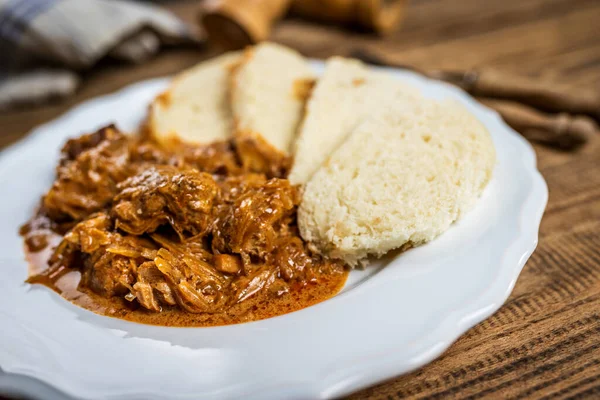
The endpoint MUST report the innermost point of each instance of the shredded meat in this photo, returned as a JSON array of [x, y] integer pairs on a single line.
[[109, 258], [74, 147], [253, 217], [150, 153], [259, 156], [88, 175], [151, 289], [218, 158], [181, 197], [198, 228]]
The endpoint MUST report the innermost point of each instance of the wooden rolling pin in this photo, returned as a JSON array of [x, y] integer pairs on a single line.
[[237, 23]]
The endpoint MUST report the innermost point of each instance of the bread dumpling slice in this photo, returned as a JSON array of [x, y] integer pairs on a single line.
[[195, 108], [268, 96], [347, 92], [399, 180]]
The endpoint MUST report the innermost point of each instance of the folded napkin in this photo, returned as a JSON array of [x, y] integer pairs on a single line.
[[45, 43]]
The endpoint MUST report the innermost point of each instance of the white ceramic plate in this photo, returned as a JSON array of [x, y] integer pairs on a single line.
[[386, 322]]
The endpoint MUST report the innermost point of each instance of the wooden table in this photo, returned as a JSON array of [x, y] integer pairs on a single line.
[[545, 341]]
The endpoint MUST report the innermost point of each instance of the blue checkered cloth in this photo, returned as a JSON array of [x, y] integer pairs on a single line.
[[45, 43]]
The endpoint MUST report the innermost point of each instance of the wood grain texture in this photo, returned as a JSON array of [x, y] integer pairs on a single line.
[[545, 341]]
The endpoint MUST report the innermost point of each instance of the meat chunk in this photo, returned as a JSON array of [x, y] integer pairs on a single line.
[[110, 259], [248, 285], [257, 155], [227, 263], [292, 258], [232, 187], [217, 158], [165, 194], [187, 267], [107, 274], [151, 289], [250, 222], [150, 153], [74, 147], [88, 175]]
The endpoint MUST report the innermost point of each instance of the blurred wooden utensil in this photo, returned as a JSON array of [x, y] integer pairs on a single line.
[[513, 97], [562, 130], [234, 24], [491, 83], [379, 16], [542, 95]]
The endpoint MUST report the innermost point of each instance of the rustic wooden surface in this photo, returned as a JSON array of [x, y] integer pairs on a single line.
[[545, 342]]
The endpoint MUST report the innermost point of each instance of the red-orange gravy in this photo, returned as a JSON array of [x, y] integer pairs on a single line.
[[185, 236]]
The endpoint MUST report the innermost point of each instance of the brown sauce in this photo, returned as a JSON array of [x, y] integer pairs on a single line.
[[261, 306], [189, 236]]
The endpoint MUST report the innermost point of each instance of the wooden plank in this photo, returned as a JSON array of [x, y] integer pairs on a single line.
[[506, 47]]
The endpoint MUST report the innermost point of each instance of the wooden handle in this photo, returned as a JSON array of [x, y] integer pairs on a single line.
[[543, 95], [235, 24], [494, 84], [558, 130], [381, 16]]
